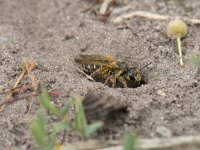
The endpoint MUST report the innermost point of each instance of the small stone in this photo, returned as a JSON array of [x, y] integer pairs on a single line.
[[3, 39], [163, 131], [161, 93]]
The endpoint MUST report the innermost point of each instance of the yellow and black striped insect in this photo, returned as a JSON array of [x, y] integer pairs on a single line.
[[111, 71]]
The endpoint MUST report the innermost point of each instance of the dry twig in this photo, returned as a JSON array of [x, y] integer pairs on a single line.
[[153, 16], [175, 143], [20, 92], [104, 7]]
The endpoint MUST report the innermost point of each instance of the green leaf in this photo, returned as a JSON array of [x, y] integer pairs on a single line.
[[44, 101], [57, 127], [90, 129], [38, 130], [129, 142], [65, 109], [15, 148], [80, 122], [196, 60]]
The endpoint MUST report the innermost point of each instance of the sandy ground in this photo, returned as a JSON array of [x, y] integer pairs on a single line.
[[53, 33]]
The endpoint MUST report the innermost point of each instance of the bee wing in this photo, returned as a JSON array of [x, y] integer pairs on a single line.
[[97, 57], [97, 60], [87, 61]]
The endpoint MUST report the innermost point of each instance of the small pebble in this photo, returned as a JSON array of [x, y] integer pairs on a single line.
[[163, 131], [161, 93], [3, 39]]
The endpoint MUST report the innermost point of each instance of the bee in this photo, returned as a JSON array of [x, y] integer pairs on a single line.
[[111, 71]]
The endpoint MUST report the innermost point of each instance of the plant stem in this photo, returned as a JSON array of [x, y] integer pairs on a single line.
[[180, 50]]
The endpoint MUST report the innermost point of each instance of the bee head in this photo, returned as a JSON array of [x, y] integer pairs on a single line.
[[134, 74]]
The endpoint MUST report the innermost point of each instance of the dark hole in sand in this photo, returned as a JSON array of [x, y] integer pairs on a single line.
[[130, 84], [111, 72], [104, 107]]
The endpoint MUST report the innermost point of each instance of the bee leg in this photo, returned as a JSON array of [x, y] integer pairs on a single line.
[[117, 76], [107, 79], [123, 81], [105, 73], [96, 72], [113, 80]]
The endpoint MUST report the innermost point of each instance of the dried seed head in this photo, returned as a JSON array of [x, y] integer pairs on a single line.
[[176, 28]]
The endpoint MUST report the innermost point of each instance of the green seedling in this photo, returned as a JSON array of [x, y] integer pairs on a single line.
[[44, 101], [39, 131], [177, 29], [196, 60], [130, 142], [80, 122], [45, 135]]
